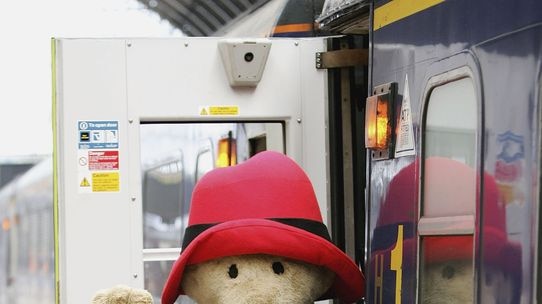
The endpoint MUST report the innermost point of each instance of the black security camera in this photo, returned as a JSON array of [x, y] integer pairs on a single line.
[[249, 57]]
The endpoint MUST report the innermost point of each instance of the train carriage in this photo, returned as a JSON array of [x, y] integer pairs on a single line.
[[453, 196]]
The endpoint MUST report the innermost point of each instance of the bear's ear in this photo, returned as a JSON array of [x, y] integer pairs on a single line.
[[100, 297], [122, 294]]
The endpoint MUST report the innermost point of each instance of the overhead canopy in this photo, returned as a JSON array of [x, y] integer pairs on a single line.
[[202, 17], [345, 16], [290, 18]]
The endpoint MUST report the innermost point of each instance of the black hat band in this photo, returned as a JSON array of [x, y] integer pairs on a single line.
[[311, 226]]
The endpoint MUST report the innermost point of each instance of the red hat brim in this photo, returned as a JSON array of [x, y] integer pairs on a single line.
[[262, 236]]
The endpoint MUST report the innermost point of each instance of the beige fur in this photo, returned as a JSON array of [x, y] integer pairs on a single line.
[[256, 283], [122, 295], [498, 287], [448, 283]]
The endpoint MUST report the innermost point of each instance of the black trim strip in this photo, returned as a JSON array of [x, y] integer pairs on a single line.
[[311, 226]]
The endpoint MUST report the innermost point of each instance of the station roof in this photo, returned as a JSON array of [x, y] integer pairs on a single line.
[[202, 17], [345, 16]]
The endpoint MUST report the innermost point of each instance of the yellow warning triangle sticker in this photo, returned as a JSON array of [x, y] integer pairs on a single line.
[[203, 112], [85, 183]]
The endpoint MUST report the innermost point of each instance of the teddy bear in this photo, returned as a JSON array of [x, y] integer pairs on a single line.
[[122, 294], [255, 235]]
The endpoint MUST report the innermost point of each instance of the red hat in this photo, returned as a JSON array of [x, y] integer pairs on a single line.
[[266, 205]]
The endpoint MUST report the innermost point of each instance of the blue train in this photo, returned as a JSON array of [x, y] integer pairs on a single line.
[[453, 181]]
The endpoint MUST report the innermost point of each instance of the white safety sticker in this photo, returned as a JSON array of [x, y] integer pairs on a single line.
[[404, 144], [98, 156], [95, 134]]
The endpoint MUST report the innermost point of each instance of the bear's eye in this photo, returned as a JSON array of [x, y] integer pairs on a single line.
[[233, 272], [448, 272], [278, 268]]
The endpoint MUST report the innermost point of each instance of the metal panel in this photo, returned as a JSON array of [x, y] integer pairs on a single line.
[[159, 80], [451, 225], [95, 229]]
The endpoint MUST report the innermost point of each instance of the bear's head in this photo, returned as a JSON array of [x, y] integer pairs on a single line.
[[255, 235]]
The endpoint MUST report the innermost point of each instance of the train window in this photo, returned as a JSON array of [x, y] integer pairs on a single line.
[[204, 161], [257, 144], [174, 156], [156, 273], [162, 193], [448, 201], [450, 122]]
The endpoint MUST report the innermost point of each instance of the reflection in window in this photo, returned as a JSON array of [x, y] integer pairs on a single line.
[[450, 125], [162, 201], [156, 274], [448, 206], [227, 151], [204, 162], [446, 266], [174, 156]]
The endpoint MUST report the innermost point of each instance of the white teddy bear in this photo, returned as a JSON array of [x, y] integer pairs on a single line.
[[256, 235], [122, 294]]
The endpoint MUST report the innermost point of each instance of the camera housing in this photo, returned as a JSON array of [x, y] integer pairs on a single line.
[[244, 60]]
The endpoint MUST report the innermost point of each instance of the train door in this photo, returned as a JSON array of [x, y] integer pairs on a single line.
[[139, 121], [424, 205], [450, 188], [346, 61], [438, 218]]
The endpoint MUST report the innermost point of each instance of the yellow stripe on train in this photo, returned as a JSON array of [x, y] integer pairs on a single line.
[[398, 9]]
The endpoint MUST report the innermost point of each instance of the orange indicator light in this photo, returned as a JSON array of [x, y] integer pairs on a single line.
[[227, 152], [377, 122]]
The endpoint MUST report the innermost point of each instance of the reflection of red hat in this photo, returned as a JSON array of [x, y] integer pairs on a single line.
[[449, 183], [264, 206], [450, 179]]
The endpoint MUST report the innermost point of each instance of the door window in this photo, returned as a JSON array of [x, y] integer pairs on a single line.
[[449, 196], [174, 156]]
